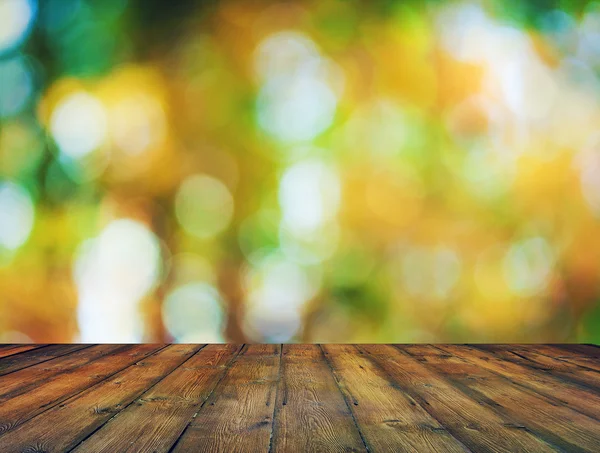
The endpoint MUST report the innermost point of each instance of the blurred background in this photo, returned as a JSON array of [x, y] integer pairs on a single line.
[[301, 171]]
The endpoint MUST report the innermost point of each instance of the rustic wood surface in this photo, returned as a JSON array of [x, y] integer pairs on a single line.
[[299, 398]]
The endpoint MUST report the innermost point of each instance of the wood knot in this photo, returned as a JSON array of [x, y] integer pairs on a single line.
[[105, 410], [35, 449], [4, 427], [152, 399]]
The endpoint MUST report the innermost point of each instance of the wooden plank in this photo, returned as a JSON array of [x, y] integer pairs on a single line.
[[569, 356], [526, 356], [13, 349], [421, 350], [476, 426], [155, 420], [238, 416], [300, 398], [585, 362], [36, 356], [20, 381], [551, 387], [588, 350], [259, 350], [390, 420], [559, 425], [15, 411], [81, 415], [311, 413]]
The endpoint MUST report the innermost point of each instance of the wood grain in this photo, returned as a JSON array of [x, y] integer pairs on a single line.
[[85, 413], [311, 414], [530, 358], [30, 357], [584, 349], [299, 398], [553, 388], [15, 411], [238, 415], [476, 426], [12, 349], [557, 424], [18, 382], [572, 356], [159, 416], [390, 420]]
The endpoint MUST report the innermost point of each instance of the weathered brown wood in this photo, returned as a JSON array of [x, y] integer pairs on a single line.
[[311, 414], [478, 427], [559, 425], [551, 387], [86, 412], [20, 381], [12, 349], [15, 411], [389, 419], [156, 419], [269, 398], [583, 349], [579, 359], [36, 356], [238, 416], [528, 357], [422, 350]]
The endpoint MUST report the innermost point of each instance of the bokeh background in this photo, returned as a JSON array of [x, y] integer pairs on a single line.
[[314, 171]]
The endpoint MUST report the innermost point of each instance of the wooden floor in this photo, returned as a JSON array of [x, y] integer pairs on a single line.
[[299, 398]]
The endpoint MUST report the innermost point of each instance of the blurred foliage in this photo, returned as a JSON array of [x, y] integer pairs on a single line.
[[315, 171]]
